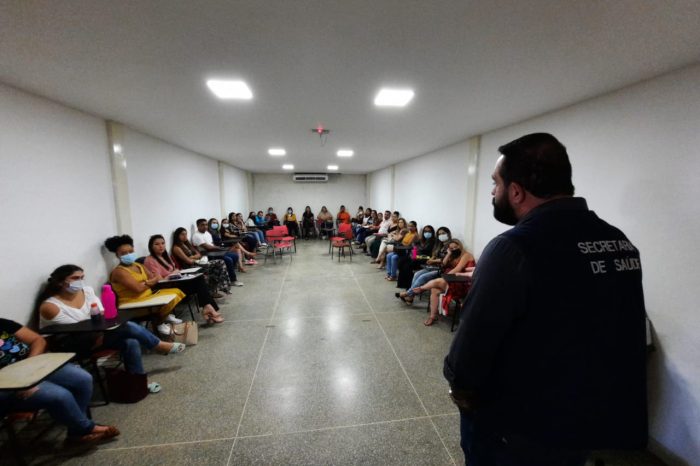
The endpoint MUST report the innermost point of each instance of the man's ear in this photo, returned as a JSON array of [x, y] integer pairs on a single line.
[[516, 193]]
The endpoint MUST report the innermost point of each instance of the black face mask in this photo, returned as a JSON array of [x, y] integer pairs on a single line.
[[456, 253]]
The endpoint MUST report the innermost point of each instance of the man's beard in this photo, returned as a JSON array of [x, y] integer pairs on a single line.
[[503, 211]]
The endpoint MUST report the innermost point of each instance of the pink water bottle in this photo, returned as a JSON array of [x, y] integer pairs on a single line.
[[109, 301], [414, 252]]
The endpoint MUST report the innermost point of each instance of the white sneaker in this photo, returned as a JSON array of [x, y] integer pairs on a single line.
[[164, 329], [172, 319], [237, 283]]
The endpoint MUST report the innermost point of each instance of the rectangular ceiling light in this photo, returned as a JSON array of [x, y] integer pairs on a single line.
[[226, 89], [276, 151], [332, 167], [393, 97], [287, 166], [345, 153]]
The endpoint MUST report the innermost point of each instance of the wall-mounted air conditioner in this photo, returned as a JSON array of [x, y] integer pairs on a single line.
[[310, 177]]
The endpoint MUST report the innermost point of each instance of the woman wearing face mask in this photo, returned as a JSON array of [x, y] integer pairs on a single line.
[[187, 256], [271, 219], [232, 228], [132, 282], [290, 220], [392, 259], [424, 249], [160, 263], [458, 261], [432, 270], [238, 248], [260, 221], [66, 300]]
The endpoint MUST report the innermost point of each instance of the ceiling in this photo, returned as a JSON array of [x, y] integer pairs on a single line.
[[474, 65]]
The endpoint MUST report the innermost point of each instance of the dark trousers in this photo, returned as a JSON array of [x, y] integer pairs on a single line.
[[196, 286], [231, 260], [489, 449]]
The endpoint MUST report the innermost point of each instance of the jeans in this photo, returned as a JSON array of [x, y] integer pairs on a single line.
[[231, 260], [420, 278], [259, 235], [128, 340], [65, 394], [392, 264]]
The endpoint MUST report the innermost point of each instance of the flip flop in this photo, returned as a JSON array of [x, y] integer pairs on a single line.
[[176, 348], [153, 387]]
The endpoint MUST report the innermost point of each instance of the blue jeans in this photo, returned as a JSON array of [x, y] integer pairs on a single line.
[[259, 235], [128, 339], [65, 394], [392, 264], [231, 260], [420, 278]]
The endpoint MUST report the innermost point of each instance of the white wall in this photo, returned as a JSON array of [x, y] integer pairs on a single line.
[[432, 189], [169, 187], [635, 156], [280, 192], [56, 196], [380, 187], [234, 189]]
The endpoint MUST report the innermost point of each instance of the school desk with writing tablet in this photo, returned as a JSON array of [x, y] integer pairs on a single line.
[[154, 301], [32, 371]]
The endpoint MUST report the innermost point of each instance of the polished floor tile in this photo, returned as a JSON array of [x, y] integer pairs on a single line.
[[412, 442], [317, 363]]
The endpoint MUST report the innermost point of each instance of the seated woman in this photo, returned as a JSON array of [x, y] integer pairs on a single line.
[[392, 258], [238, 248], [325, 222], [432, 269], [424, 249], [66, 300], [187, 255], [387, 245], [308, 226], [65, 394], [290, 221], [252, 238], [458, 261], [367, 228], [160, 263], [231, 231], [132, 282], [252, 227]]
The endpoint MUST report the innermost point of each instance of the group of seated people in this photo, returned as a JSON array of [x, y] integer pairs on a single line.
[[65, 299], [311, 226], [415, 260]]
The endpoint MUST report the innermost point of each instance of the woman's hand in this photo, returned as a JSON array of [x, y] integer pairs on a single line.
[[24, 394]]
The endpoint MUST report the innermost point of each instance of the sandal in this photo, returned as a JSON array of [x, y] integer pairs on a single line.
[[176, 348], [431, 320], [407, 299], [212, 318], [153, 387]]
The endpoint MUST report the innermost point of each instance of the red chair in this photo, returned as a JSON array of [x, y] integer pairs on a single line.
[[285, 235], [342, 241], [276, 241]]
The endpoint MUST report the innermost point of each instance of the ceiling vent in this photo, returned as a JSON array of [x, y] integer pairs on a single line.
[[310, 177]]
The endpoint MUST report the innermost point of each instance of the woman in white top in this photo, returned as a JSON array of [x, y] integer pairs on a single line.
[[66, 300]]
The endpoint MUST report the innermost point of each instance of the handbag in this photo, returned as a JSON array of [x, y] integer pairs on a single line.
[[185, 332], [124, 387]]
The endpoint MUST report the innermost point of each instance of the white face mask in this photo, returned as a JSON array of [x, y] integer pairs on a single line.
[[224, 225], [443, 237], [75, 286]]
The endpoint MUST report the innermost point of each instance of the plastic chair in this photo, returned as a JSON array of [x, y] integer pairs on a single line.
[[285, 235], [342, 241], [276, 242]]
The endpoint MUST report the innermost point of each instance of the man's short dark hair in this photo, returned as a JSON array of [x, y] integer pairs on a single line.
[[201, 220], [539, 163]]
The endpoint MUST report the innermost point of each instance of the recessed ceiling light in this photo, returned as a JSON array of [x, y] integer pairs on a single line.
[[345, 153], [393, 97], [276, 151], [226, 89], [332, 167], [287, 166]]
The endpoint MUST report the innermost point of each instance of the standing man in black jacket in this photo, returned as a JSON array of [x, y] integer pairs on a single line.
[[549, 360]]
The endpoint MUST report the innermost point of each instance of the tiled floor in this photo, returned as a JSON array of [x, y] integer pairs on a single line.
[[317, 363]]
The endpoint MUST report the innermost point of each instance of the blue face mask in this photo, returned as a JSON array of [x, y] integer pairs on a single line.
[[428, 234], [214, 226], [128, 259], [75, 286]]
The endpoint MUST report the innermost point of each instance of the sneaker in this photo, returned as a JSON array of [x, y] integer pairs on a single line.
[[237, 283], [172, 319], [164, 329]]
